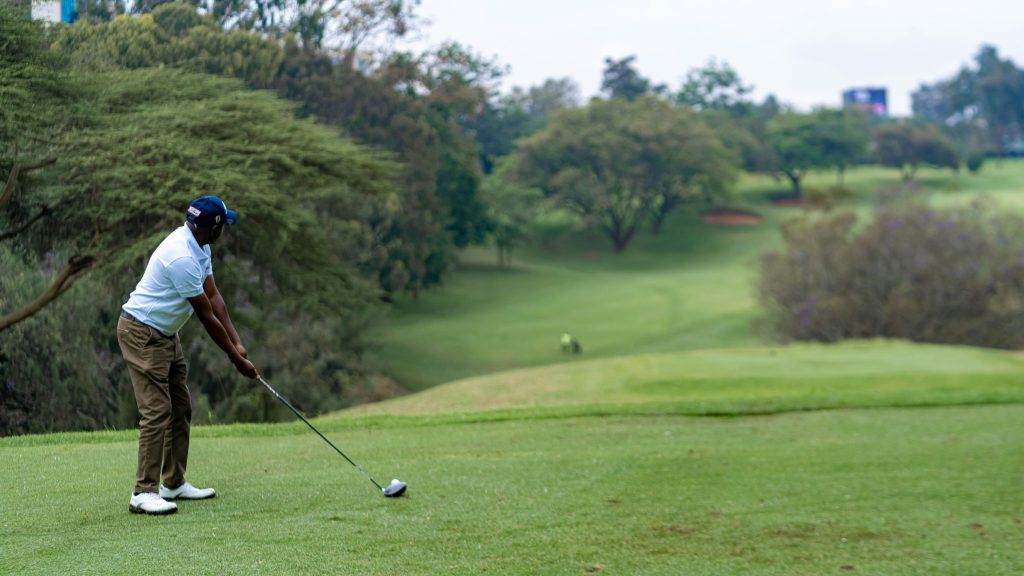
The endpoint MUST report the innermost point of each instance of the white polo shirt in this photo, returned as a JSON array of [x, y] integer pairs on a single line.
[[176, 272]]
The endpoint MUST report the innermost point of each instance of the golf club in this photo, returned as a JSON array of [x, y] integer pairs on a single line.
[[393, 490]]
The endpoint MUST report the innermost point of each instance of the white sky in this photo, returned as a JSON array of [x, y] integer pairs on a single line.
[[806, 52]]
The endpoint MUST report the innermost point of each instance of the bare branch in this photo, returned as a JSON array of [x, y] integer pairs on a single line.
[[75, 268], [12, 178], [23, 227]]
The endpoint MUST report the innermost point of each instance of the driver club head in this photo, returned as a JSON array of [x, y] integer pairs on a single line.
[[395, 489]]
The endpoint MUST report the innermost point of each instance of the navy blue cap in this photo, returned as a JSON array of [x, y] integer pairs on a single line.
[[209, 211]]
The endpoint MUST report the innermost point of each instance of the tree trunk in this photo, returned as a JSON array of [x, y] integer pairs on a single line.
[[659, 217], [75, 267], [502, 256], [620, 238], [794, 180]]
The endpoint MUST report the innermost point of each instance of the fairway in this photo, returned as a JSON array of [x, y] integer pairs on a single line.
[[898, 491]]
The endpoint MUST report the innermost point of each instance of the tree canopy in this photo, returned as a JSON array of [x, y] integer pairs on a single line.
[[715, 86], [621, 79], [826, 138], [987, 97], [907, 146], [620, 164], [129, 148]]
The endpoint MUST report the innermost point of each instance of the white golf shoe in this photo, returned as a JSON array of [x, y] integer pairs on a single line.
[[150, 503], [186, 492]]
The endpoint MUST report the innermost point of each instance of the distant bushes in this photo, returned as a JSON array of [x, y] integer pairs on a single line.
[[949, 275]]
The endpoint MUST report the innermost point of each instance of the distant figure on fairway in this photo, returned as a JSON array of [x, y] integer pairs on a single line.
[[570, 344], [177, 282]]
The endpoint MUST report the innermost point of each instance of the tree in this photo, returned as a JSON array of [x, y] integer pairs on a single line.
[[32, 97], [412, 251], [496, 127], [619, 164], [155, 139], [907, 146], [553, 95], [150, 140], [505, 119], [383, 106], [715, 87], [171, 35], [795, 140], [458, 182], [987, 98], [843, 136], [511, 207], [621, 80], [94, 11], [346, 28], [459, 84]]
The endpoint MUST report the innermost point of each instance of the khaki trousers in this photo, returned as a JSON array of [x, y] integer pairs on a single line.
[[158, 369]]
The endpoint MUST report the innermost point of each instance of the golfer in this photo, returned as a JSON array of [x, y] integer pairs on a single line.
[[178, 281]]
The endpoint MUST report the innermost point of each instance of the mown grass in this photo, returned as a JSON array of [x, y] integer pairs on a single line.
[[590, 467], [732, 382], [896, 491]]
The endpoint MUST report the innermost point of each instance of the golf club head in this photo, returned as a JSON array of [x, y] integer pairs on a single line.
[[395, 489]]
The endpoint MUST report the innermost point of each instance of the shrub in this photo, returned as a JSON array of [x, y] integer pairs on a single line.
[[974, 162], [952, 275]]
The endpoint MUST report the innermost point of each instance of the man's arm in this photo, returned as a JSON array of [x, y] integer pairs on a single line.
[[205, 312], [220, 310]]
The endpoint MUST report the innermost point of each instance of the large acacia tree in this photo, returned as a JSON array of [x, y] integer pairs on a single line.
[[620, 164], [138, 145]]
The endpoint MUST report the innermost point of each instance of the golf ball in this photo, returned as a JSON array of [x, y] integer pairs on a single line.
[[395, 481]]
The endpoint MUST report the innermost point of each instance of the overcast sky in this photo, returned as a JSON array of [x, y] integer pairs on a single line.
[[803, 51]]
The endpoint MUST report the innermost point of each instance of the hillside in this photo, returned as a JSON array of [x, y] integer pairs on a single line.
[[692, 287]]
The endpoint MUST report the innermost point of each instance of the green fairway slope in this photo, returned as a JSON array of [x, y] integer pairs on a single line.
[[737, 381]]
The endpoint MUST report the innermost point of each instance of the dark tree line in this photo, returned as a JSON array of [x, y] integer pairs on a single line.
[[982, 105]]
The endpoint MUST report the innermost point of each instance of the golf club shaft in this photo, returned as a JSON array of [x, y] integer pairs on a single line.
[[308, 423]]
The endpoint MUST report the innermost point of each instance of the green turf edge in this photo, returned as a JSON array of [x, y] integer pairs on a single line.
[[700, 409]]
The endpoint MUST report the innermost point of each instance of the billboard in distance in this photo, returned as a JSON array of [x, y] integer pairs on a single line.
[[55, 11], [874, 100]]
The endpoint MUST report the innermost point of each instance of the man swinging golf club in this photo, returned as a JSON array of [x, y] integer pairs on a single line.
[[177, 282]]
